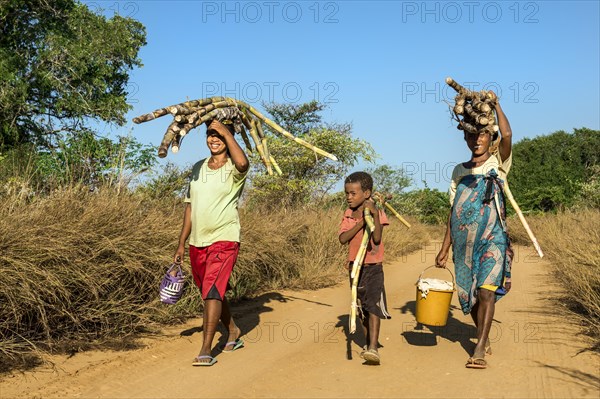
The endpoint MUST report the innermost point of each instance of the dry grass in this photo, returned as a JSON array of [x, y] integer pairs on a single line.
[[81, 270], [571, 241], [78, 267]]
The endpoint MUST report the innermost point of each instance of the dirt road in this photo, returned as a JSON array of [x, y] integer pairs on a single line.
[[297, 346]]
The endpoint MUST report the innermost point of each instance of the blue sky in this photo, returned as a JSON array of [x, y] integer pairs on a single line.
[[378, 64]]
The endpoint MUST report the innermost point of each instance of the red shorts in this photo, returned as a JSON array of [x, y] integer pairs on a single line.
[[212, 266]]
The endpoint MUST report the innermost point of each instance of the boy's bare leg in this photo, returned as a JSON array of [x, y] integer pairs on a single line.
[[232, 328], [485, 314], [210, 319], [374, 324], [365, 327]]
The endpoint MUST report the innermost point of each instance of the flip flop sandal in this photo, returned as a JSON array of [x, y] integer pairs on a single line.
[[198, 361], [237, 344], [476, 363], [372, 357]]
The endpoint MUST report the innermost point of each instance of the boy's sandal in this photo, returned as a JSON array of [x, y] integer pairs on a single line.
[[198, 361], [372, 357]]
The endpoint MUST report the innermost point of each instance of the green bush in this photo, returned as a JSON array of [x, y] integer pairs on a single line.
[[550, 171]]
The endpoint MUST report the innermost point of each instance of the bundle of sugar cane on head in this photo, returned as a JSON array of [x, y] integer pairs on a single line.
[[244, 118], [474, 110]]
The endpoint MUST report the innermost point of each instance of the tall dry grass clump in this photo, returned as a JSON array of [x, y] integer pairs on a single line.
[[77, 267], [571, 241], [81, 269]]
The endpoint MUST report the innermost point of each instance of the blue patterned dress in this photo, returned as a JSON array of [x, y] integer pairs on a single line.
[[481, 247]]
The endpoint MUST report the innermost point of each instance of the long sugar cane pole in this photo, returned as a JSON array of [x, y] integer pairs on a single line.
[[246, 140], [276, 166], [357, 265], [456, 86], [388, 206], [251, 126], [263, 141], [285, 133], [381, 199], [265, 151], [151, 116], [515, 206], [172, 130]]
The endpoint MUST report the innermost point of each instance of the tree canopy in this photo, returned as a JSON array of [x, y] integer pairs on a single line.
[[306, 176], [548, 171], [62, 66]]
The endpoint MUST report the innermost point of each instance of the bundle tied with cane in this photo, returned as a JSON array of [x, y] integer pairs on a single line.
[[474, 112]]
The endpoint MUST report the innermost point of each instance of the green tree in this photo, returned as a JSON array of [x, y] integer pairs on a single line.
[[589, 191], [298, 119], [61, 67], [548, 171], [389, 179], [306, 176], [85, 159], [169, 184], [428, 205]]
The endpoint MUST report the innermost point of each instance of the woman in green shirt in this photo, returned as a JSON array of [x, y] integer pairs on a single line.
[[211, 222]]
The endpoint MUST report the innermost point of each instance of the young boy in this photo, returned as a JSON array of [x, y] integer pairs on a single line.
[[371, 291]]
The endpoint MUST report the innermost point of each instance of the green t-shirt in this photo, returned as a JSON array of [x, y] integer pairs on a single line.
[[213, 196]]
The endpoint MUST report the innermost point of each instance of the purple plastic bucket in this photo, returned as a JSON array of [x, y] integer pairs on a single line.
[[171, 287]]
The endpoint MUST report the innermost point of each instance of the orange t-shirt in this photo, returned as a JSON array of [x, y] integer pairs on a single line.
[[374, 252]]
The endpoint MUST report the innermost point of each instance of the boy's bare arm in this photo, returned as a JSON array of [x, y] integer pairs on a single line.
[[347, 235], [505, 131]]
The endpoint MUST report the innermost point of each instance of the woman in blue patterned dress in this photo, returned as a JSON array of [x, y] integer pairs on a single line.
[[476, 229]]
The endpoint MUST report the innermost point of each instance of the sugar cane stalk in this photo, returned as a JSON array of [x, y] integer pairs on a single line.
[[388, 206], [380, 198], [515, 206], [263, 145], [357, 265], [246, 140], [276, 166], [286, 134], [263, 141]]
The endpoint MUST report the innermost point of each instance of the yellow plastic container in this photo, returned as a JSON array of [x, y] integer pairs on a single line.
[[434, 309]]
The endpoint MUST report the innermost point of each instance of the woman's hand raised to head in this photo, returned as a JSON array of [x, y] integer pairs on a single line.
[[218, 127]]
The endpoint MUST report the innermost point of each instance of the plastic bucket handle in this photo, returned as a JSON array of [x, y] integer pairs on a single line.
[[445, 268]]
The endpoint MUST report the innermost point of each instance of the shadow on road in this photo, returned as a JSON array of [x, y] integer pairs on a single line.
[[246, 314], [357, 338], [454, 331], [585, 380]]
